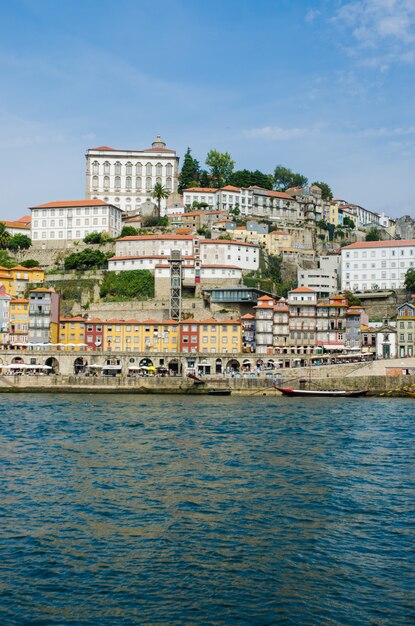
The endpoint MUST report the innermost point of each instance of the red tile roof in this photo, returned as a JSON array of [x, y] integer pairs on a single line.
[[201, 189], [302, 290], [26, 219], [71, 203], [381, 244], [156, 237], [229, 242], [16, 224]]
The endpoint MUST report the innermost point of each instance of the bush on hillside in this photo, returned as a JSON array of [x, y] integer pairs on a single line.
[[85, 260], [131, 284]]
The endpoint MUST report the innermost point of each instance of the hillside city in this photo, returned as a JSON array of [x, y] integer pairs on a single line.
[[210, 271]]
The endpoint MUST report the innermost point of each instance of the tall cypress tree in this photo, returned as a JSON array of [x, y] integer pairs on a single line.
[[190, 171]]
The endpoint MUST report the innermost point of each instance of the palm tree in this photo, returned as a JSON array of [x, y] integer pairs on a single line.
[[4, 236], [159, 193]]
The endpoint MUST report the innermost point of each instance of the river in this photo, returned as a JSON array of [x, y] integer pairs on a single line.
[[197, 510]]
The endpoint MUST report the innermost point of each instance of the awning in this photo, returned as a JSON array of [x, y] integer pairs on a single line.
[[112, 367], [331, 347]]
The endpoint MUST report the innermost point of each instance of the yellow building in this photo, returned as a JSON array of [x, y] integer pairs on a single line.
[[224, 336], [6, 279], [72, 332], [278, 241], [17, 279], [333, 214], [19, 322], [144, 336]]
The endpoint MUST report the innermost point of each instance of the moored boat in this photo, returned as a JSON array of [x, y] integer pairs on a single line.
[[286, 391], [219, 392]]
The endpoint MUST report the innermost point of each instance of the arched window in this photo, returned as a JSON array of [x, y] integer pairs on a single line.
[[106, 167], [138, 182], [128, 168], [149, 169], [118, 167], [106, 182], [118, 182], [169, 169], [128, 183], [158, 180], [148, 182], [138, 169], [95, 181], [159, 169], [95, 167], [168, 183]]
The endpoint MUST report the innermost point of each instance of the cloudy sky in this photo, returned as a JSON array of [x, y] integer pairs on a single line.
[[325, 87]]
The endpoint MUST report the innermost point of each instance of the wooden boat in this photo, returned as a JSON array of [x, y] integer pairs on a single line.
[[196, 379], [314, 393]]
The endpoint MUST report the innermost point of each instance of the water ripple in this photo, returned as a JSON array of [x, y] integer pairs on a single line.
[[180, 510]]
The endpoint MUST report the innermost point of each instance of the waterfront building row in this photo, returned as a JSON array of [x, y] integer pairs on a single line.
[[306, 324]]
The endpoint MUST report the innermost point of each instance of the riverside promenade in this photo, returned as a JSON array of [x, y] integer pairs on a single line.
[[378, 377]]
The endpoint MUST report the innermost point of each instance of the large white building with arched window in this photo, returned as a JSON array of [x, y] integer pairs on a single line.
[[126, 178]]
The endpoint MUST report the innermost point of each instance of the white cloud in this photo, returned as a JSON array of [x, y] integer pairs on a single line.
[[383, 30], [312, 15], [388, 132], [275, 133]]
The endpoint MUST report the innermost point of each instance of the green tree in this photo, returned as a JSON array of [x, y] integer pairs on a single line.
[[373, 235], [246, 178], [273, 268], [234, 211], [220, 166], [352, 299], [85, 260], [326, 192], [94, 237], [347, 221], [19, 242], [129, 231], [130, 284], [190, 173], [410, 280], [154, 222], [322, 225], [159, 193], [4, 236], [205, 179], [30, 263], [285, 178], [5, 259]]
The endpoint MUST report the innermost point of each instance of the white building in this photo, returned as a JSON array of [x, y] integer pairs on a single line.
[[376, 264], [126, 178], [72, 220], [146, 251], [17, 227], [251, 201], [321, 281], [325, 280]]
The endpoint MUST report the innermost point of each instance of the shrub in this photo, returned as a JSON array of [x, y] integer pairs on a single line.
[[86, 259], [130, 284]]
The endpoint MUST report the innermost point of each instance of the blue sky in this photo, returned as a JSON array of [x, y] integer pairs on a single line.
[[325, 87]]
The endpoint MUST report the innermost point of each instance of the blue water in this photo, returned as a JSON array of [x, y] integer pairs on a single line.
[[197, 510]]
